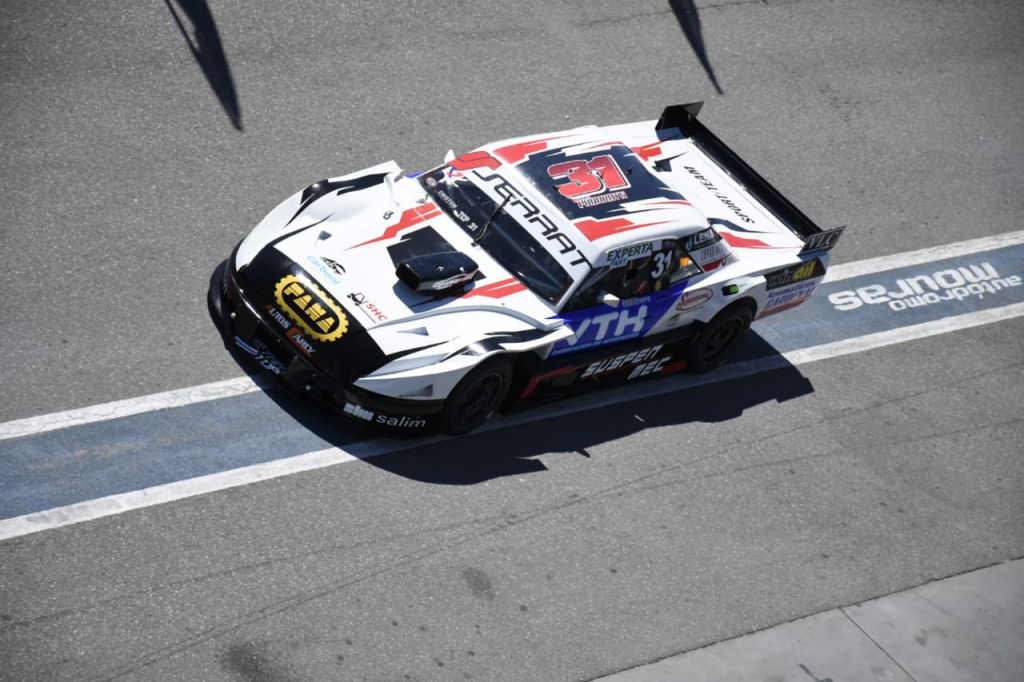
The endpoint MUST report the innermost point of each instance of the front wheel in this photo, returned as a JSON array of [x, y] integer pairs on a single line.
[[719, 339], [476, 397]]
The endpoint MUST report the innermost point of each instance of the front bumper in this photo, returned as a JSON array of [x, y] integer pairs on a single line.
[[245, 328]]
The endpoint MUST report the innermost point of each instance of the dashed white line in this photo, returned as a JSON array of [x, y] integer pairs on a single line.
[[933, 253]]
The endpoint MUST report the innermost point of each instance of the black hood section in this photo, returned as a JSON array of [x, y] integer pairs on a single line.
[[325, 187], [277, 288]]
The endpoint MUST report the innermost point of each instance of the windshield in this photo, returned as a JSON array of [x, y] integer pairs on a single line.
[[498, 233]]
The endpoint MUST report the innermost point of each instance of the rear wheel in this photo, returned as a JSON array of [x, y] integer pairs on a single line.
[[720, 339], [476, 397]]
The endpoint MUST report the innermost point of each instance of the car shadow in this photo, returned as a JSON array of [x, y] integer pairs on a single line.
[[510, 446], [511, 449], [689, 22], [206, 48]]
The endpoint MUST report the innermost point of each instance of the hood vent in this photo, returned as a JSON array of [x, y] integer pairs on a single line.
[[434, 274]]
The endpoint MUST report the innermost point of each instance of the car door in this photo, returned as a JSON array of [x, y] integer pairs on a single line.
[[629, 290]]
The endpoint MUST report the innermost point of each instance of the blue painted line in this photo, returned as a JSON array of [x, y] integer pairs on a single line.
[[58, 468], [879, 302]]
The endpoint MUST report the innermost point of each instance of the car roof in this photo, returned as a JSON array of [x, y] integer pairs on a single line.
[[634, 202]]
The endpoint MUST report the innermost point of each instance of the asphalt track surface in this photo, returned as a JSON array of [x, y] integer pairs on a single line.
[[563, 548]]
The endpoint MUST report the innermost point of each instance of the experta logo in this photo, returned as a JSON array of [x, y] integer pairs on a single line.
[[618, 257], [952, 284]]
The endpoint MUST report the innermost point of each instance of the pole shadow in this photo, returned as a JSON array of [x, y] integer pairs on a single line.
[[689, 22], [208, 52]]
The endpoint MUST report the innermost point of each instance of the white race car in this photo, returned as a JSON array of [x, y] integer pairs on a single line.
[[517, 273]]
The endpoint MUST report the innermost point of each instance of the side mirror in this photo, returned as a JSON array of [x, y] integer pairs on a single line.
[[450, 156], [609, 299]]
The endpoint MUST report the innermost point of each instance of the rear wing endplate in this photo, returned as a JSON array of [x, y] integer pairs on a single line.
[[684, 118]]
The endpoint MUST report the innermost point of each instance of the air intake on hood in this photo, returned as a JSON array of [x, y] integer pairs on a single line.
[[435, 273]]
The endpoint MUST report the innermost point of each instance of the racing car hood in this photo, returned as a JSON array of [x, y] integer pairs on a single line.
[[326, 259]]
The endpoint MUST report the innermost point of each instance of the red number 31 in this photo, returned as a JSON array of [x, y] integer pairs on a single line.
[[593, 176]]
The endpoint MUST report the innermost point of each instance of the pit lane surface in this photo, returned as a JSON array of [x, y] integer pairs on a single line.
[[690, 518]]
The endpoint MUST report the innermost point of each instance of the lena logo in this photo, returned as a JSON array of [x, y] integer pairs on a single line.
[[694, 299], [313, 310]]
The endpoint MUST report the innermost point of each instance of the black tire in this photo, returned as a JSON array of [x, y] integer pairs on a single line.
[[719, 339], [476, 397]]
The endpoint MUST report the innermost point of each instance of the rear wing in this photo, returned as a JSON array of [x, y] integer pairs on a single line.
[[684, 118]]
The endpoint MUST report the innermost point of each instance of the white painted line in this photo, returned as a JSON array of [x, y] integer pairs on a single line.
[[934, 253], [232, 387], [125, 408], [161, 494], [148, 497]]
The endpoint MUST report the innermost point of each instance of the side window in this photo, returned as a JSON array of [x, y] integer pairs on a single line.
[[632, 271]]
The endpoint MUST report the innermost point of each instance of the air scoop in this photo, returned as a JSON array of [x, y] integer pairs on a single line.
[[435, 273]]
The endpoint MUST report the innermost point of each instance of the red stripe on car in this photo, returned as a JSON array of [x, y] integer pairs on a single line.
[[475, 160], [648, 151], [514, 153], [410, 217], [744, 243], [595, 228], [505, 287]]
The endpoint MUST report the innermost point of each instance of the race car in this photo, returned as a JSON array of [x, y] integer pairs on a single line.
[[520, 272]]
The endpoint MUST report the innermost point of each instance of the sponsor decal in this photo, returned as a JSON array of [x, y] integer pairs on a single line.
[[323, 270], [619, 257], [953, 284], [588, 178], [794, 274], [617, 362], [823, 241], [692, 300], [789, 297], [326, 268], [315, 313], [603, 329], [358, 411], [292, 332], [729, 203], [262, 355], [368, 306], [452, 281], [296, 337], [648, 368], [532, 217], [402, 421], [708, 248], [278, 316], [702, 239], [710, 257]]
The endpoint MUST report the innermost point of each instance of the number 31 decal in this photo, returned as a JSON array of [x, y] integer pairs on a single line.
[[589, 177]]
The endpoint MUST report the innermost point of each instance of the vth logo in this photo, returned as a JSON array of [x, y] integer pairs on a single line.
[[623, 321]]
